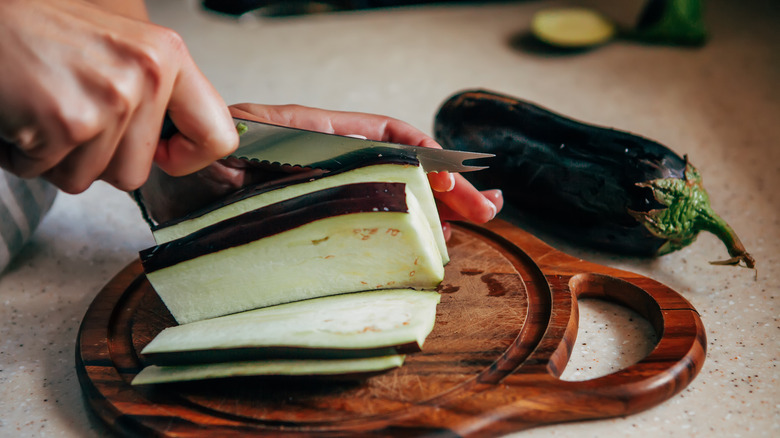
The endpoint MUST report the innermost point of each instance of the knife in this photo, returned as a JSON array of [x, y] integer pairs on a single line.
[[276, 144]]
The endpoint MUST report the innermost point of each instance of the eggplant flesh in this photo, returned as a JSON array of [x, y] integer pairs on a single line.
[[346, 326], [346, 369], [602, 187], [356, 237]]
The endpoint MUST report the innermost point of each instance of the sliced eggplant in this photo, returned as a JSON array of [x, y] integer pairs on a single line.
[[343, 239], [333, 368], [361, 324], [385, 168]]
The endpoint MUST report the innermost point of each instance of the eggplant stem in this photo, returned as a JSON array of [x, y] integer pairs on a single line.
[[687, 212], [713, 223]]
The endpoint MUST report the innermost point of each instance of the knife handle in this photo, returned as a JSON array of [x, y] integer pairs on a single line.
[[168, 128]]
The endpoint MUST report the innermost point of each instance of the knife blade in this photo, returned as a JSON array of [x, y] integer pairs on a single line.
[[276, 144]]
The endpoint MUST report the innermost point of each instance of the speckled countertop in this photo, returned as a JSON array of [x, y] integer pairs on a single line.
[[719, 104]]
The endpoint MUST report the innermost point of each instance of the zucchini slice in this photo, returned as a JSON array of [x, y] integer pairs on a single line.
[[572, 27]]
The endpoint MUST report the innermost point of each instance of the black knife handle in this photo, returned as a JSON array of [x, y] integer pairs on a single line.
[[168, 128]]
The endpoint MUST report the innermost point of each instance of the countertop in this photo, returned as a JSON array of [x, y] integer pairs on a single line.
[[719, 104]]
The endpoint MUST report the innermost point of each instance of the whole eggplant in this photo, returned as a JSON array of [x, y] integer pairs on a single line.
[[603, 187]]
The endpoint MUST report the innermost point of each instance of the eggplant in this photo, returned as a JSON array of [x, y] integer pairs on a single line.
[[348, 238], [275, 369], [344, 326], [605, 188]]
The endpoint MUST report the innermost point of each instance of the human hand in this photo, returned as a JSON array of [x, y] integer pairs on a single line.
[[457, 198], [84, 92]]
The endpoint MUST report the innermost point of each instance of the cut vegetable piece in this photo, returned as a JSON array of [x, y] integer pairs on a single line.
[[383, 169], [351, 325], [342, 368], [572, 27], [344, 239]]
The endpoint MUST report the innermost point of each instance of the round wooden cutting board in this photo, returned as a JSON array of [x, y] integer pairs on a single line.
[[504, 331]]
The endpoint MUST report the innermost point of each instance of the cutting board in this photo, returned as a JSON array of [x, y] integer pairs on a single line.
[[504, 332]]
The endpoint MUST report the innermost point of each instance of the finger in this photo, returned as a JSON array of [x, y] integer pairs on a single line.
[[446, 229], [400, 132], [495, 196], [254, 111], [377, 127], [446, 213], [441, 181], [132, 160], [206, 130], [32, 152], [138, 124], [467, 202], [131, 129], [372, 126], [77, 171]]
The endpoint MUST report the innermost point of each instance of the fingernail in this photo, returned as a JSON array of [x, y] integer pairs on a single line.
[[496, 194], [493, 209], [452, 182]]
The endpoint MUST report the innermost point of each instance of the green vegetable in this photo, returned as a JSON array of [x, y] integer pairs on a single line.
[[675, 22], [572, 27], [672, 22]]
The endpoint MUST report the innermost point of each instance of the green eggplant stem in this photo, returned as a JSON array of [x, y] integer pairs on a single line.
[[688, 212], [717, 226]]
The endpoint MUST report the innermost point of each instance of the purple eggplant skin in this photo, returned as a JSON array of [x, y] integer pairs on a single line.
[[601, 187]]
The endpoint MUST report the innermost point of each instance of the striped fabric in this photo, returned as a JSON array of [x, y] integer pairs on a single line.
[[23, 203]]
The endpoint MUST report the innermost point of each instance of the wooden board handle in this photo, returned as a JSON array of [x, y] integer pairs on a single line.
[[533, 395]]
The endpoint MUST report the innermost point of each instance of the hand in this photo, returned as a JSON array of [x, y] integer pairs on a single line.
[[168, 198], [84, 92]]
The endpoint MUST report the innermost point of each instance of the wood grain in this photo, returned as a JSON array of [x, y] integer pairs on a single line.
[[504, 332]]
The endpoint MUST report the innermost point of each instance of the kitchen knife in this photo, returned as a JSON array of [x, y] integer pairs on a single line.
[[275, 144]]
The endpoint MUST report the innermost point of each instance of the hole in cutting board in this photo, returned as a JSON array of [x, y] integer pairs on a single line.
[[610, 337]]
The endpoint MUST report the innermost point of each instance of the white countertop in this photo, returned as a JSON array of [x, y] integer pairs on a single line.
[[719, 104]]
